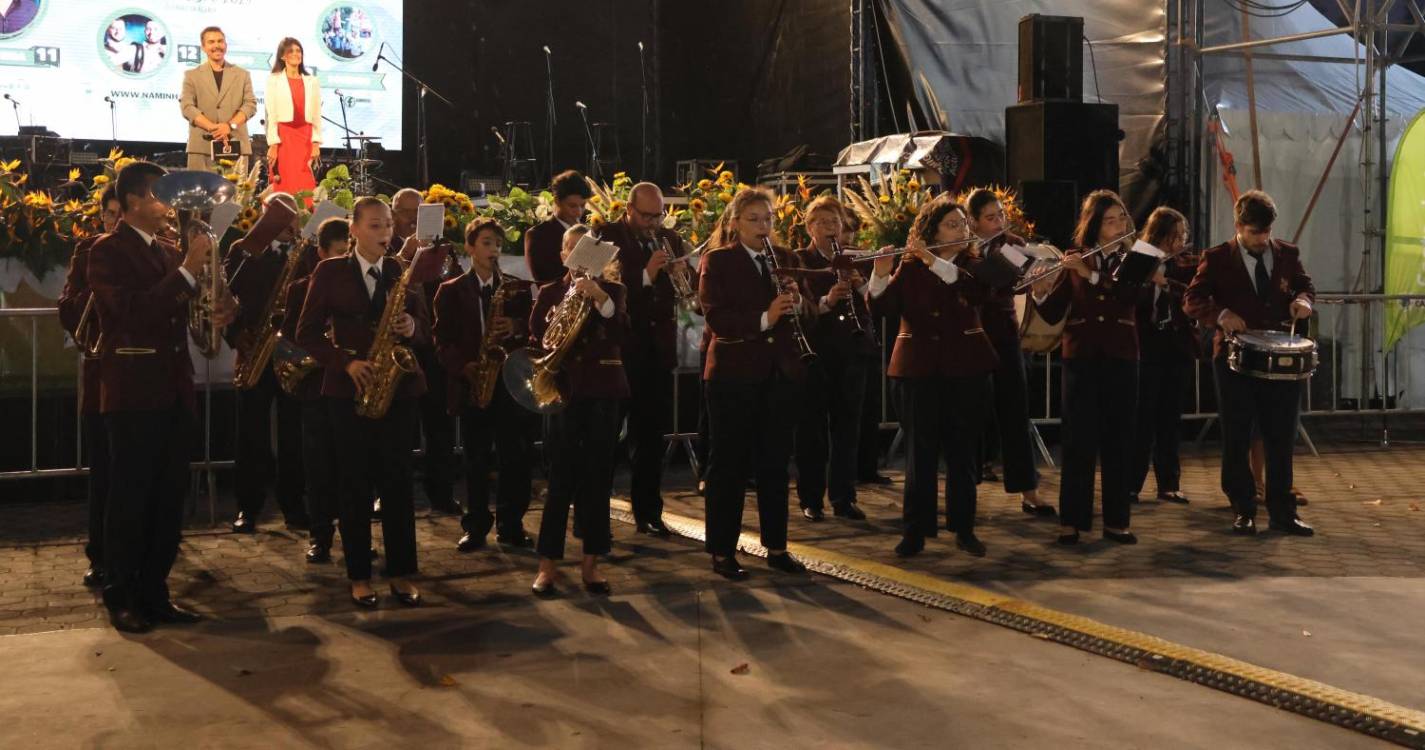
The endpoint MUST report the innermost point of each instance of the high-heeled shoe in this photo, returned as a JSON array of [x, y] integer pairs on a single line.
[[545, 589], [411, 599], [599, 588], [365, 602], [1068, 540], [1122, 537]]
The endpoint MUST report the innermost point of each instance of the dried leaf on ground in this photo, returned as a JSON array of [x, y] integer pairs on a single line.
[[741, 668], [447, 681]]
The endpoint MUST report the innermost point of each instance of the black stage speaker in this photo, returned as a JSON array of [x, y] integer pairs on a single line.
[[1051, 58], [1075, 141], [1053, 206]]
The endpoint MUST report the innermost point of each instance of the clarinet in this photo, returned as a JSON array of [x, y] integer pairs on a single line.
[[786, 285], [850, 314]]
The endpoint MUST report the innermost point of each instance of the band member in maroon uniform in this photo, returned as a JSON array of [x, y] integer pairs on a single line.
[[319, 461], [543, 241], [143, 287], [753, 375], [1100, 351], [80, 318], [650, 352], [252, 277], [941, 363], [1167, 353], [585, 433], [1254, 282], [465, 322], [830, 422], [345, 302]]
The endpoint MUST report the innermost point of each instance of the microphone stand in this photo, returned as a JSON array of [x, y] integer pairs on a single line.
[[643, 116], [15, 104], [422, 145], [550, 115], [113, 123], [593, 147], [341, 101]]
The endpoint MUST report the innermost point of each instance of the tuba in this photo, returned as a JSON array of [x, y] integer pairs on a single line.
[[193, 194], [255, 352], [492, 354]]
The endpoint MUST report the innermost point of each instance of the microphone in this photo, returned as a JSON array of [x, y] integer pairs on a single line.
[[109, 99], [12, 99], [498, 135], [546, 50], [580, 105], [378, 57], [640, 46]]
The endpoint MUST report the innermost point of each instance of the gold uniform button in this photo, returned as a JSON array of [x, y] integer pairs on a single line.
[[771, 339], [1100, 318], [934, 313], [1100, 298]]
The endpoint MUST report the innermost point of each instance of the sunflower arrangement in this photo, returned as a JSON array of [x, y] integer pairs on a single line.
[[888, 209], [336, 187], [609, 202], [707, 199], [459, 210], [1015, 220], [517, 211], [39, 230]]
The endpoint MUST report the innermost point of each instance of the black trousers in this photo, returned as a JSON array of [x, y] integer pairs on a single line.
[[585, 439], [1160, 412], [703, 446], [320, 465], [649, 415], [255, 468], [1099, 400], [1011, 413], [868, 447], [504, 427], [942, 416], [143, 520], [96, 447], [375, 453], [438, 428], [830, 429], [751, 427], [1273, 405]]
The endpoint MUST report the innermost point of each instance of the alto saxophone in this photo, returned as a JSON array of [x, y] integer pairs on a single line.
[[392, 360], [492, 354], [256, 352]]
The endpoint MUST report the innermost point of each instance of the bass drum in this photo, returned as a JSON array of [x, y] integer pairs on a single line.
[[518, 374], [1035, 334]]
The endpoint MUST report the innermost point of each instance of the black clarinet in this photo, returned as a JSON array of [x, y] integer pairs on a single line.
[[850, 314], [787, 285]]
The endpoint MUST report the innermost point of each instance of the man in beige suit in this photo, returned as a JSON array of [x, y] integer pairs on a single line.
[[217, 102]]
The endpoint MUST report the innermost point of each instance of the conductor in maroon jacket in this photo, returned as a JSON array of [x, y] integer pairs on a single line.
[[543, 241], [73, 301], [753, 374], [1254, 282], [143, 289]]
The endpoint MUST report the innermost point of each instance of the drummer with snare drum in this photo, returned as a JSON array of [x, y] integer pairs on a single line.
[[1254, 283]]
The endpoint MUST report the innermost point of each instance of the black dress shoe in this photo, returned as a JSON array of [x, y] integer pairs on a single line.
[[470, 542], [971, 544], [544, 590], [319, 553], [728, 568], [1244, 526], [1133, 498], [244, 524], [598, 588], [1294, 527], [376, 509], [875, 478], [409, 600], [172, 614], [1067, 540], [375, 554], [813, 514], [365, 602], [129, 621], [848, 511], [785, 563], [987, 473], [910, 545], [515, 539], [94, 577], [1173, 497], [1037, 510], [654, 528], [1122, 537]]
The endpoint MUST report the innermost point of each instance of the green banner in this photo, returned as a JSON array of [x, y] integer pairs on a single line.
[[1405, 233]]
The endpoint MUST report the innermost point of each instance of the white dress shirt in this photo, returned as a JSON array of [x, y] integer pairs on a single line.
[[947, 271], [148, 240]]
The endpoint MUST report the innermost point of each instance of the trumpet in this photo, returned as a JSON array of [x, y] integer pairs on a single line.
[[1053, 267], [787, 285], [683, 290], [88, 341]]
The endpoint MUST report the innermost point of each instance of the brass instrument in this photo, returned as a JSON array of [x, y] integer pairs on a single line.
[[492, 355], [844, 274], [392, 360], [255, 352], [89, 342], [787, 285], [291, 363], [1053, 267], [193, 194], [683, 291], [566, 321]]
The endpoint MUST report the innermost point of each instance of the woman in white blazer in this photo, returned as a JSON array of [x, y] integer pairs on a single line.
[[294, 121]]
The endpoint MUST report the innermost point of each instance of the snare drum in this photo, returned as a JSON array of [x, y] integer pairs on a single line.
[[1271, 355]]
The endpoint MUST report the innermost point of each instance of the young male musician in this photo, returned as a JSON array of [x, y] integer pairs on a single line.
[[830, 423], [143, 289], [76, 298], [650, 352], [543, 241], [345, 302], [253, 265], [465, 322], [1254, 282], [753, 376], [319, 460]]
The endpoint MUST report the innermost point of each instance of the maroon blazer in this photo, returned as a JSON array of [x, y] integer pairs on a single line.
[[831, 335], [460, 332], [1176, 340], [310, 389], [652, 310], [72, 301], [1102, 322], [594, 367], [941, 331], [998, 314], [142, 299], [542, 243], [1222, 282], [338, 322], [252, 279], [734, 296]]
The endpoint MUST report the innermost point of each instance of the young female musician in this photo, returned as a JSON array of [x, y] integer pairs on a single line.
[[345, 303], [1100, 350], [585, 434], [294, 120], [753, 374], [941, 364]]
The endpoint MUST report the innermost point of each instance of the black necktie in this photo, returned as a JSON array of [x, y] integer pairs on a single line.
[[378, 295], [1264, 282], [1163, 308], [487, 293], [1112, 264], [766, 272]]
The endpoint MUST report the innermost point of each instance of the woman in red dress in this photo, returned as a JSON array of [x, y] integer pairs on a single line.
[[294, 121]]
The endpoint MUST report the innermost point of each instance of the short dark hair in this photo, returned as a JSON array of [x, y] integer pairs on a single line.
[[109, 194], [482, 224], [335, 229], [1255, 209], [278, 65], [977, 201], [209, 30], [136, 179], [570, 182], [927, 221], [363, 203]]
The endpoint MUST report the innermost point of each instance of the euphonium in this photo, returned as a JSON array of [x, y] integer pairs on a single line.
[[291, 363], [492, 354], [392, 360], [256, 352], [193, 194], [566, 321]]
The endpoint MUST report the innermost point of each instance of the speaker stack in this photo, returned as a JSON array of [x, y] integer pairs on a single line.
[[1060, 147]]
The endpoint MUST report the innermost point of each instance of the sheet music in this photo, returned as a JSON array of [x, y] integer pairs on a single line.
[[430, 220], [591, 255], [1142, 247], [223, 216], [324, 210]]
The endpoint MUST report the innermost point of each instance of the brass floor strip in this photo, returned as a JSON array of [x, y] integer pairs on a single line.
[[1362, 713]]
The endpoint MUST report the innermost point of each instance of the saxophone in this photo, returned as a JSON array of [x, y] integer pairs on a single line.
[[492, 354], [566, 320], [291, 363], [393, 361], [254, 353]]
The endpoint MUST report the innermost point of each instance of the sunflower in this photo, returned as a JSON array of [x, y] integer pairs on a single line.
[[102, 179], [725, 197], [596, 200], [705, 184], [725, 178], [913, 185], [450, 222], [615, 206], [697, 205]]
